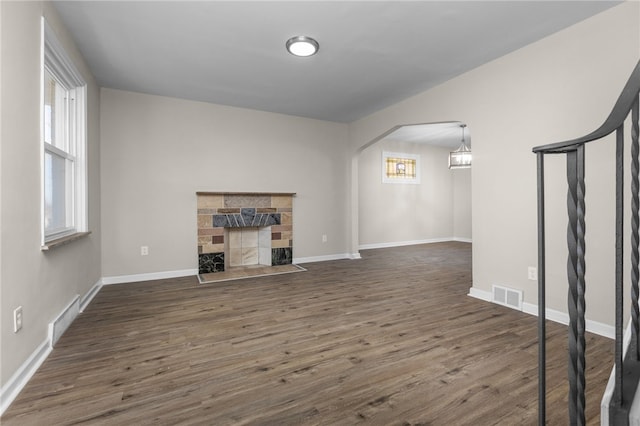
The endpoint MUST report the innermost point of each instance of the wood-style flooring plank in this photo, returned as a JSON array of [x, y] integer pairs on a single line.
[[392, 339]]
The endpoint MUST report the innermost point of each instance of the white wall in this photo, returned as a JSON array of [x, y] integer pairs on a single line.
[[43, 283], [157, 152], [559, 88], [400, 213]]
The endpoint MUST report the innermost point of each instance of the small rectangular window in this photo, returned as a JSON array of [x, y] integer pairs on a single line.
[[400, 168], [64, 183]]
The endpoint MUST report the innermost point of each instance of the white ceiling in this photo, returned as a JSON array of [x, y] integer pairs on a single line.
[[372, 54], [446, 134]]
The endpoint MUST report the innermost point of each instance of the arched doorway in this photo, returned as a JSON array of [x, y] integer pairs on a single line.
[[425, 201]]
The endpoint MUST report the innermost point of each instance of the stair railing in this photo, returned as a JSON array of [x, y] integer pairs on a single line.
[[627, 370]]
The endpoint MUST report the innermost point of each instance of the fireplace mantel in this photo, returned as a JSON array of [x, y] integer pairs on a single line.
[[221, 211], [246, 193]]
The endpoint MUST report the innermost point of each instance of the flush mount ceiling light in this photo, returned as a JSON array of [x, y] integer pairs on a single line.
[[461, 157], [302, 46]]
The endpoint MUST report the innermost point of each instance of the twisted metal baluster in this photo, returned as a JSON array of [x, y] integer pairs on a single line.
[[575, 272], [635, 224]]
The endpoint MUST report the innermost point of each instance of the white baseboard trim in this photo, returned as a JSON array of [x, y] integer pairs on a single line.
[[600, 329], [21, 377], [404, 243], [55, 329], [480, 294], [591, 326], [87, 298], [355, 256], [551, 314], [462, 240], [324, 258], [412, 243], [120, 279]]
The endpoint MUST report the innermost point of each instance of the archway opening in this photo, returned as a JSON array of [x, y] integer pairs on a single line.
[[406, 192]]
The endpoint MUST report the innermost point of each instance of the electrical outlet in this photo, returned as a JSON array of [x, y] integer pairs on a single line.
[[324, 238], [17, 319], [532, 273], [144, 250]]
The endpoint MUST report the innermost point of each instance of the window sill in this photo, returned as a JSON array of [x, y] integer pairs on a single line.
[[56, 242]]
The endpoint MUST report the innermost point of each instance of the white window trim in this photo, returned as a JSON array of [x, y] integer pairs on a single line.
[[54, 58], [411, 181]]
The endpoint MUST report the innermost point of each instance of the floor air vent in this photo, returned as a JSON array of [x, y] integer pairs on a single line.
[[507, 297]]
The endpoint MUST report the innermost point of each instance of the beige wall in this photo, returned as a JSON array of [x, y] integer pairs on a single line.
[[462, 212], [558, 88], [157, 152], [43, 283], [397, 213]]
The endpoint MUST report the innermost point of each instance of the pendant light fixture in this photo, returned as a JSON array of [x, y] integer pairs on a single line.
[[461, 157]]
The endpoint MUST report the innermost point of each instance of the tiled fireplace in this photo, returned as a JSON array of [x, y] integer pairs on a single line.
[[243, 229]]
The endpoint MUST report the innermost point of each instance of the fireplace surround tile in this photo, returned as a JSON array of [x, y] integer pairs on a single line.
[[281, 256], [250, 237], [286, 235], [264, 237], [210, 262], [204, 239], [250, 256], [248, 200], [235, 258], [211, 248], [281, 228], [205, 221], [221, 212], [280, 243], [211, 201], [281, 201], [248, 218], [235, 237], [286, 218]]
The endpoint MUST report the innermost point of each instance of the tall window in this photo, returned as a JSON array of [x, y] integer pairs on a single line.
[[64, 208]]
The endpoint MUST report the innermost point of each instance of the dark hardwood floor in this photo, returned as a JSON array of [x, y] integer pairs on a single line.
[[392, 339]]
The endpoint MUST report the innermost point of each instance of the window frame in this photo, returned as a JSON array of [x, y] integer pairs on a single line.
[[404, 156], [73, 148]]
